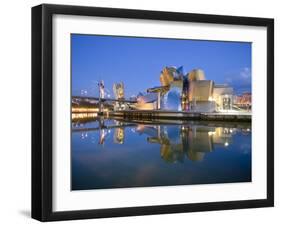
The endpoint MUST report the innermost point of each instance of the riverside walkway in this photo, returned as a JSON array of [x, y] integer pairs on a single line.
[[181, 115]]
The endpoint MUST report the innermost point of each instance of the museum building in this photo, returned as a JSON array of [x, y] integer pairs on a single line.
[[190, 92]]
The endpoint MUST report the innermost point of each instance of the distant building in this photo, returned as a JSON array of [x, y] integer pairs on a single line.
[[146, 101], [118, 89], [243, 101], [190, 92], [223, 96], [200, 96], [172, 81], [196, 75]]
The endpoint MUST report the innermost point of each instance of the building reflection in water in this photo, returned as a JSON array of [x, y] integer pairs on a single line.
[[119, 135], [177, 142], [103, 131]]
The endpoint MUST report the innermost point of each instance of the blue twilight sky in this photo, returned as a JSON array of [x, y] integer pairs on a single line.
[[138, 62]]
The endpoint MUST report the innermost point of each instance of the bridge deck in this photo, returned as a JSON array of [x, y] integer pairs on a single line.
[[85, 98]]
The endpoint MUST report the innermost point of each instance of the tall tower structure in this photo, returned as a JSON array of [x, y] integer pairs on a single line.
[[101, 94], [118, 89]]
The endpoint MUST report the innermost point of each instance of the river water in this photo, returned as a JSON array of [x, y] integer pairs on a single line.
[[108, 153]]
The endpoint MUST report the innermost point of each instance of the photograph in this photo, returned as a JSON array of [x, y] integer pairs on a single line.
[[156, 111]]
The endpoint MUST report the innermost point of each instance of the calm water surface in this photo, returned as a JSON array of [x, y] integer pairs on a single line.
[[113, 154]]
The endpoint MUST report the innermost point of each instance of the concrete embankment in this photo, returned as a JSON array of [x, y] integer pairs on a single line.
[[150, 115]]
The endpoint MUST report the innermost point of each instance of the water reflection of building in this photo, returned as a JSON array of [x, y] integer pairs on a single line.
[[171, 147], [187, 92], [198, 142], [222, 136], [176, 142], [119, 135], [186, 141], [193, 142]]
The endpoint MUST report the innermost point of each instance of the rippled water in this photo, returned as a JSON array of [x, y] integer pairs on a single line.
[[114, 154]]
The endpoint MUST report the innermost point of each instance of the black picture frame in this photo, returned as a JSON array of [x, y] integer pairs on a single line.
[[42, 111]]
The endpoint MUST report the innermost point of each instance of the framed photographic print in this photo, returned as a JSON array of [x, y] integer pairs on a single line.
[[145, 112]]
